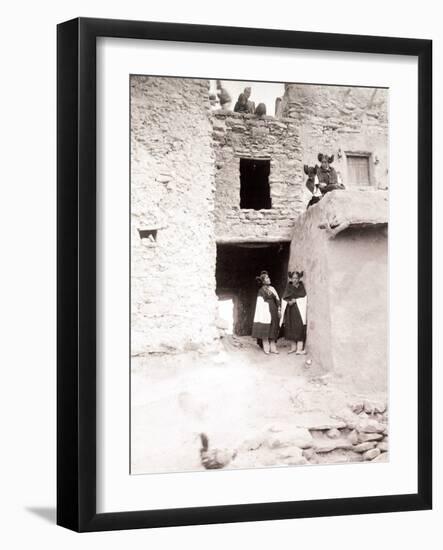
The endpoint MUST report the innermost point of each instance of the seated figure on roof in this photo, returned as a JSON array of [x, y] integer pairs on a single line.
[[244, 105], [326, 174], [223, 96]]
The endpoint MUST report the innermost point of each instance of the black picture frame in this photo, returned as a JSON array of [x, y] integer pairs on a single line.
[[76, 278]]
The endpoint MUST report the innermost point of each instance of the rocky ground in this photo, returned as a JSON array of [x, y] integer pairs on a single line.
[[276, 410]]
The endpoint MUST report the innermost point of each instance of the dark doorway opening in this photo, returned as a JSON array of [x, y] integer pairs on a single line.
[[255, 192], [237, 266]]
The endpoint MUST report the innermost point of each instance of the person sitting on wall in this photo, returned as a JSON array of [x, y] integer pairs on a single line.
[[250, 104], [312, 184], [327, 176], [242, 104], [223, 96], [294, 312], [266, 323], [260, 110]]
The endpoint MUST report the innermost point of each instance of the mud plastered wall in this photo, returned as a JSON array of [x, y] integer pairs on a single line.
[[341, 245], [342, 120], [358, 282], [173, 300], [237, 136]]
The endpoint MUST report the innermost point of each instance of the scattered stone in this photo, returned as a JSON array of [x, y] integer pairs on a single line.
[[363, 437], [339, 456], [333, 433], [309, 454], [383, 446], [371, 454], [328, 445], [314, 459], [370, 425], [287, 436], [374, 407], [317, 421], [357, 407], [353, 437], [363, 447], [292, 456], [382, 457], [348, 417], [274, 442], [380, 408]]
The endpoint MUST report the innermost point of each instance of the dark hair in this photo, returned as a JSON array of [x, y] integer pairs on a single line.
[[298, 273], [321, 157], [310, 170], [260, 278]]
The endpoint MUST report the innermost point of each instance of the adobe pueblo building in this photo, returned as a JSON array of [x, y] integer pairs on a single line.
[[217, 196]]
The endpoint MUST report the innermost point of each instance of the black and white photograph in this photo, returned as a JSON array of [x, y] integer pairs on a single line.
[[259, 293]]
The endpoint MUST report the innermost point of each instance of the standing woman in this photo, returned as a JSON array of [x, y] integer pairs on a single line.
[[267, 314], [295, 312]]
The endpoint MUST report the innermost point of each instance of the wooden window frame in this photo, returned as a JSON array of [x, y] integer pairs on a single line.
[[370, 156]]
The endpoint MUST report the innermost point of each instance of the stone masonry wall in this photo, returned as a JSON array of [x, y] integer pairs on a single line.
[[173, 301], [237, 136], [339, 120]]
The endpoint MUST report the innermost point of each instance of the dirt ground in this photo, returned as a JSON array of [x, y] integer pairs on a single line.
[[267, 410]]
